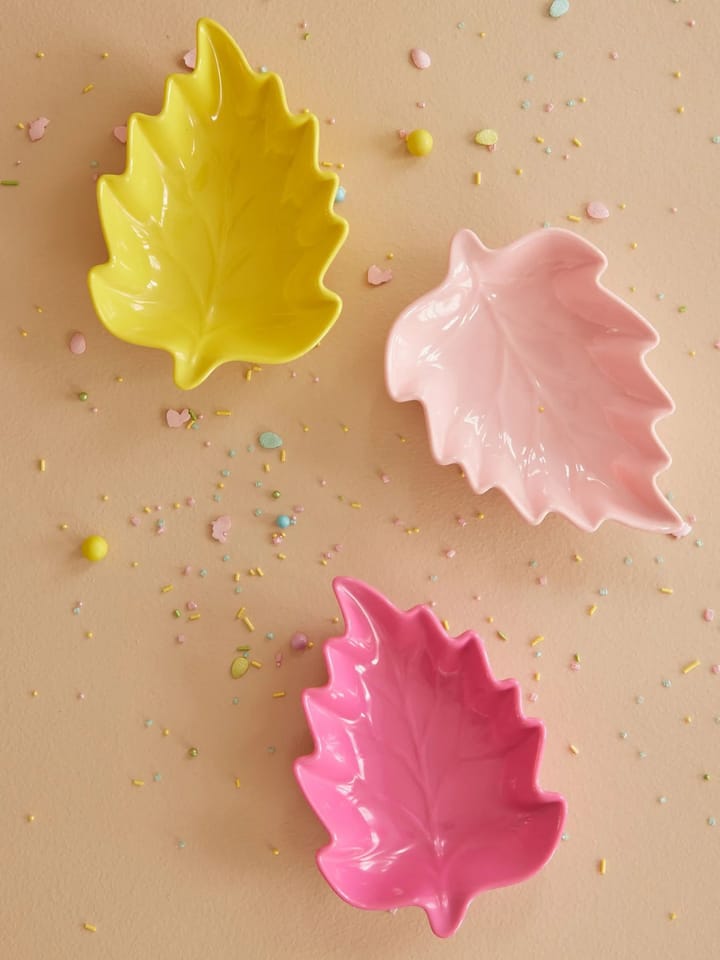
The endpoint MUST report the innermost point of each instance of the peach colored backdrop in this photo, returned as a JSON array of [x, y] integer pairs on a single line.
[[182, 867]]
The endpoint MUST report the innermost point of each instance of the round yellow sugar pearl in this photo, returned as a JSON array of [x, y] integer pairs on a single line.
[[94, 548], [419, 143]]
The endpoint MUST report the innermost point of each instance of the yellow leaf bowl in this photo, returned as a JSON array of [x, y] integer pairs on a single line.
[[221, 228]]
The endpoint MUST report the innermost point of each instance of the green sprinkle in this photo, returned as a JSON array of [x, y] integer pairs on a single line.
[[9, 183]]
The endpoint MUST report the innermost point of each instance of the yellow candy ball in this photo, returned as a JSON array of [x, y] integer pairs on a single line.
[[419, 143], [94, 548]]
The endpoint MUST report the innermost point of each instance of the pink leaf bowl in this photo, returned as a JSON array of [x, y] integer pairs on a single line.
[[425, 770], [533, 379]]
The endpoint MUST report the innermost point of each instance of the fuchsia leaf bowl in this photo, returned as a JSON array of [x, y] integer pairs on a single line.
[[425, 770], [533, 379]]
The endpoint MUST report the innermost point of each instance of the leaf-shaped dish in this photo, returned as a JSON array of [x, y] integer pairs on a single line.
[[424, 771], [533, 379], [221, 228]]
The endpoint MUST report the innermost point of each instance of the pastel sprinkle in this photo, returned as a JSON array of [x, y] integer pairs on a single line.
[[420, 58], [239, 667], [120, 133], [597, 210], [708, 615], [558, 8], [36, 129], [77, 344], [690, 666], [270, 440], [486, 137], [376, 276]]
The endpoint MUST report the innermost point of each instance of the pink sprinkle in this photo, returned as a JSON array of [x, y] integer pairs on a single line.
[[691, 518], [77, 344], [293, 374], [176, 418], [316, 379], [221, 528], [532, 697], [397, 521], [208, 443], [614, 55], [81, 696], [160, 530], [575, 666], [328, 556], [299, 508], [298, 641], [385, 478], [189, 58], [673, 209], [187, 571], [597, 210], [191, 605], [323, 483], [190, 501], [491, 147], [180, 638], [542, 581], [120, 133], [715, 668], [549, 107], [158, 506], [331, 121], [36, 129], [462, 522], [376, 276], [278, 659], [402, 133], [691, 23], [717, 344], [420, 58], [338, 547], [135, 521], [708, 615], [450, 554], [421, 104], [277, 539]]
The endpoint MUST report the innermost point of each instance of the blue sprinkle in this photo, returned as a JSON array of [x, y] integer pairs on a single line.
[[203, 572], [537, 654], [258, 512], [76, 610], [711, 821], [226, 558], [258, 483], [148, 723], [340, 194], [659, 560], [661, 296], [639, 699], [641, 754], [263, 69], [698, 543], [662, 799], [157, 777], [716, 139], [217, 498], [623, 734], [627, 561], [271, 749], [270, 636], [195, 426], [181, 844], [225, 473], [528, 78], [548, 150], [236, 700], [232, 453], [250, 448], [559, 54], [434, 578], [526, 104], [564, 836], [570, 103], [667, 683], [546, 224], [603, 591], [533, 563], [270, 440], [558, 8]]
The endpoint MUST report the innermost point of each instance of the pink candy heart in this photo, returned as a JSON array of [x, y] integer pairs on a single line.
[[376, 276], [221, 528], [176, 418]]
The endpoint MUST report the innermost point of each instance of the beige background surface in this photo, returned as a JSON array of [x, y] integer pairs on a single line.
[[104, 852]]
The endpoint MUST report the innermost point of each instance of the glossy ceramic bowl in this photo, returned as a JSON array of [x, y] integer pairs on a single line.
[[533, 379], [221, 228], [424, 771]]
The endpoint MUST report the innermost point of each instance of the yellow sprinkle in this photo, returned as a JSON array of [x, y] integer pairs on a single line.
[[236, 577], [237, 782], [479, 516], [672, 916], [576, 658], [266, 467], [283, 456], [248, 623], [90, 635], [602, 867], [633, 245], [259, 572], [63, 526], [135, 563], [576, 142], [690, 666], [573, 750], [306, 36], [248, 374], [501, 635], [539, 139], [194, 616], [20, 125], [340, 166], [138, 783], [274, 851], [692, 354], [536, 640], [355, 505], [166, 732], [167, 588], [326, 163], [687, 719], [36, 693], [536, 676], [306, 428], [573, 218], [592, 610], [477, 178], [242, 648], [583, 99], [446, 625], [90, 926], [681, 109], [482, 35], [282, 556], [104, 54], [519, 171], [490, 619], [666, 590], [256, 664], [240, 614], [577, 558], [41, 466], [344, 427], [541, 409], [622, 206], [220, 485], [323, 562], [147, 509], [88, 87], [23, 333], [278, 694], [223, 413], [40, 54], [389, 255], [677, 74]]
